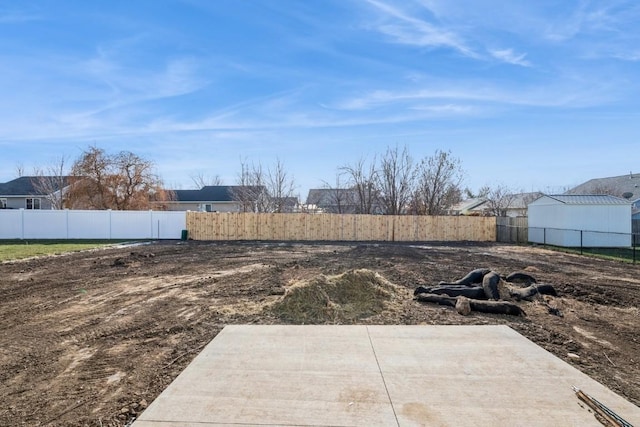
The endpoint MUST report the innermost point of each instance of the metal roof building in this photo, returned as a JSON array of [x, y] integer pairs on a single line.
[[591, 220]]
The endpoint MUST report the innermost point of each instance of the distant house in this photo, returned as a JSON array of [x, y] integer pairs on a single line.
[[33, 192], [573, 220], [338, 200], [333, 200], [624, 186], [217, 198], [286, 204], [514, 205], [471, 207], [520, 202]]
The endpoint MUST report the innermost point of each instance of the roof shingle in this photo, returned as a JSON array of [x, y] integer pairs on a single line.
[[615, 186], [26, 186]]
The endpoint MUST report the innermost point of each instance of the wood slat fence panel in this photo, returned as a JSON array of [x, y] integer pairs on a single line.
[[336, 227], [512, 230]]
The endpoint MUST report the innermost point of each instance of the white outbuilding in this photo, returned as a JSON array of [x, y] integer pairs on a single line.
[[570, 220]]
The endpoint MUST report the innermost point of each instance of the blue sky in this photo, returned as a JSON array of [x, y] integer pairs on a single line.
[[533, 95]]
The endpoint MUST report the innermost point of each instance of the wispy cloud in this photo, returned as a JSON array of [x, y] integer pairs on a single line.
[[577, 29], [78, 98], [559, 94], [386, 98], [632, 56], [124, 86], [294, 110], [307, 120], [561, 29], [613, 21], [510, 57], [18, 16], [115, 64], [406, 29]]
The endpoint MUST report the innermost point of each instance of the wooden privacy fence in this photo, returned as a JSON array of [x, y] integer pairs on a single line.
[[512, 230], [336, 227]]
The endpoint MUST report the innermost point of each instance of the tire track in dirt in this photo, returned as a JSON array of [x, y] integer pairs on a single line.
[[86, 344], [111, 335]]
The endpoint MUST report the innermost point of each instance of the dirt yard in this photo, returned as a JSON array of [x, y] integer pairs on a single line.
[[92, 338]]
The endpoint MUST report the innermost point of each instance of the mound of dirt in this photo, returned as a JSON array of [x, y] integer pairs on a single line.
[[345, 298]]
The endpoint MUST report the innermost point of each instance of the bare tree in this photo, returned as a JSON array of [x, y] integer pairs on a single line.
[[438, 186], [530, 197], [52, 182], [123, 181], [260, 190], [280, 186], [240, 193], [482, 192], [605, 189], [597, 187], [201, 180], [340, 199], [19, 170], [499, 200], [362, 177], [250, 191], [395, 180]]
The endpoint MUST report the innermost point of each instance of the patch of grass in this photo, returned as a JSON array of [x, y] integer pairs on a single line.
[[17, 249], [617, 254]]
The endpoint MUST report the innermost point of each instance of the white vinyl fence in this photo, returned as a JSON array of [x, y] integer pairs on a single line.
[[76, 224]]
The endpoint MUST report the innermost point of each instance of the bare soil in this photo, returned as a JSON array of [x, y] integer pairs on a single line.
[[91, 338]]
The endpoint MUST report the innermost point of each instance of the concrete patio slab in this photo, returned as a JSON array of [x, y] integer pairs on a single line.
[[377, 376]]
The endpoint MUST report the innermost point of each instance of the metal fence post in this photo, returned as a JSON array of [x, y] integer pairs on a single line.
[[580, 242]]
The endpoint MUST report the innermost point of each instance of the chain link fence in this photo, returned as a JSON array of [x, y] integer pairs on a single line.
[[618, 245]]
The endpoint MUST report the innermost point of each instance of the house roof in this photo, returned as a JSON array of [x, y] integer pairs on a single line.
[[615, 186], [330, 196], [469, 204], [212, 193], [587, 199], [27, 186], [522, 200], [288, 201], [519, 201]]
